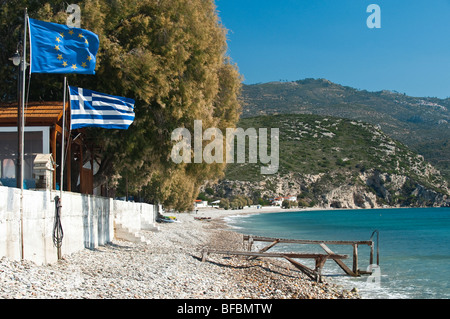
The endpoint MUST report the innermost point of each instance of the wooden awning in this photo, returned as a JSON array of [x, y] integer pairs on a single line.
[[40, 114], [50, 114], [36, 113]]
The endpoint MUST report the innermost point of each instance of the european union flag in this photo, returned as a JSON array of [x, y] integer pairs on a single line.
[[57, 48]]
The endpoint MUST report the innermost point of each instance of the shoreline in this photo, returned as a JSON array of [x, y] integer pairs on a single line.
[[327, 290], [167, 266]]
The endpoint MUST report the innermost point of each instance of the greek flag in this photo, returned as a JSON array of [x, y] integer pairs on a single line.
[[93, 109]]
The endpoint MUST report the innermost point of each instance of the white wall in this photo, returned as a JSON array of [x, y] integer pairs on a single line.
[[87, 222]]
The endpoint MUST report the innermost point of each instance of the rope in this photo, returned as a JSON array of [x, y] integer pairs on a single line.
[[58, 233]]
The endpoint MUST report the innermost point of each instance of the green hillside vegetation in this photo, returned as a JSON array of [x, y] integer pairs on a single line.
[[420, 123], [339, 149]]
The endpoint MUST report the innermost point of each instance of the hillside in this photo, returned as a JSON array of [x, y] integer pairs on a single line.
[[334, 162], [423, 124]]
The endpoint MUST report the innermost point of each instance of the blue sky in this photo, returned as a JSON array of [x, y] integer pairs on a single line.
[[297, 39]]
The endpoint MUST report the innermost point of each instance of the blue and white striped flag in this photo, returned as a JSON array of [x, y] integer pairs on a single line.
[[93, 109]]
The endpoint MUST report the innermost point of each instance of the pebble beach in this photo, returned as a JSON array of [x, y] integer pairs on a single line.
[[168, 266]]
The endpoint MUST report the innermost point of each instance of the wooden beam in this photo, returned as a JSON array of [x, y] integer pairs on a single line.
[[269, 246], [355, 258], [58, 129], [320, 262], [341, 264], [278, 255], [250, 243], [302, 241], [313, 275], [352, 272], [266, 248], [61, 114]]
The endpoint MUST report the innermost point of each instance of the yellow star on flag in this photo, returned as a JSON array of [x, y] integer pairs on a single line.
[[61, 49]]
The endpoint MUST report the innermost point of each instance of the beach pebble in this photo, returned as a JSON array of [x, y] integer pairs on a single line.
[[169, 267]]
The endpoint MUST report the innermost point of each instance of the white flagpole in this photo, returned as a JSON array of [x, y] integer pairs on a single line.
[[24, 67], [62, 161], [63, 134]]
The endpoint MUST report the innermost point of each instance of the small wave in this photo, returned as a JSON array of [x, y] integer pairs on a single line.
[[235, 227], [244, 215], [234, 219], [369, 290]]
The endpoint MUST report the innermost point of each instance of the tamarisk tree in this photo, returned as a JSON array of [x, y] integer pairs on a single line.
[[170, 56]]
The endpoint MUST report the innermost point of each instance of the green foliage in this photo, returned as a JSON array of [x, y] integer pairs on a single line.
[[289, 204], [202, 196], [209, 191], [421, 123], [168, 55], [262, 202], [341, 150], [239, 202], [224, 203]]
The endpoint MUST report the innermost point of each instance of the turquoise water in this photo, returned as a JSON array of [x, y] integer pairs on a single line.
[[414, 246]]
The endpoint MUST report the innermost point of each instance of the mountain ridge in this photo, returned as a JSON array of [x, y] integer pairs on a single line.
[[421, 123], [335, 163]]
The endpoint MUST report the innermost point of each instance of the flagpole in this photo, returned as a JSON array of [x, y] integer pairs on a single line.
[[63, 133], [22, 130], [58, 247]]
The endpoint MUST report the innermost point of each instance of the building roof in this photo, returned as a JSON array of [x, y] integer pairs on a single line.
[[36, 113]]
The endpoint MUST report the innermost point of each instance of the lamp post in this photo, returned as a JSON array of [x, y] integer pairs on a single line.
[[18, 61], [16, 58]]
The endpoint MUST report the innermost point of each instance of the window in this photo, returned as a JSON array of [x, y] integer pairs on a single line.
[[8, 169], [36, 141]]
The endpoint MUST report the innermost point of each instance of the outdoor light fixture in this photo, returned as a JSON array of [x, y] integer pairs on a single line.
[[15, 58]]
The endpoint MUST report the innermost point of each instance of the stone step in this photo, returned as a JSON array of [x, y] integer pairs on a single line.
[[146, 225], [124, 233]]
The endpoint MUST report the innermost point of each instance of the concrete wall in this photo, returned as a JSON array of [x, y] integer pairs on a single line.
[[87, 222]]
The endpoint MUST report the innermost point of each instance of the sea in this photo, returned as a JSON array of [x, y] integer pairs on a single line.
[[413, 246]]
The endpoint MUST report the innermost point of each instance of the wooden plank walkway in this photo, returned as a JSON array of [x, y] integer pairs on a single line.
[[320, 259], [355, 271], [314, 274]]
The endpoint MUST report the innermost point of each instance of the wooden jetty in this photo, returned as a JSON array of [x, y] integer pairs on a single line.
[[320, 259]]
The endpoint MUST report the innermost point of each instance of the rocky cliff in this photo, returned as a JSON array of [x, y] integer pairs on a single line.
[[370, 190], [336, 163]]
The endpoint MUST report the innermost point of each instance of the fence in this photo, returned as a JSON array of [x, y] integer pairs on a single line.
[[87, 222]]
